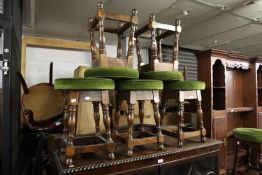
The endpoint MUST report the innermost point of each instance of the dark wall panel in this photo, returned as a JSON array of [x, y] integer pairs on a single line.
[[185, 59]]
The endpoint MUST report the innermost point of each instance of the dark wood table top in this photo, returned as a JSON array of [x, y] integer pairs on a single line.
[[146, 155]]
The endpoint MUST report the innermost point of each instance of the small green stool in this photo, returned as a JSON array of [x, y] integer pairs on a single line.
[[129, 88], [139, 90], [112, 73], [162, 75], [181, 91], [95, 90], [249, 135]]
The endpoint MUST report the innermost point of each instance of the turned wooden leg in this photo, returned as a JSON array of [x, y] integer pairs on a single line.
[[130, 119], [200, 120], [248, 158], [162, 112], [141, 104], [180, 123], [65, 121], [158, 126], [96, 117], [106, 120], [117, 117], [236, 158], [65, 134], [260, 164], [71, 130]]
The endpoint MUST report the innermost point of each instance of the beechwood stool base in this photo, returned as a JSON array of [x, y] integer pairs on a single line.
[[132, 91], [95, 90], [182, 91]]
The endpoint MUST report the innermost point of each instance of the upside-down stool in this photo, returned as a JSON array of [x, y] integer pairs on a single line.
[[174, 86]]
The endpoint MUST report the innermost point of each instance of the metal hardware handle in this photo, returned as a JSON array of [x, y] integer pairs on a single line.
[[5, 67]]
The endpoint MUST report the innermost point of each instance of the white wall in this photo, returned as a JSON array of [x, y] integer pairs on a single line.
[[64, 62]]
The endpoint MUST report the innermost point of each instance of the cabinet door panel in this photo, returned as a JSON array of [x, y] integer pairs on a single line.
[[202, 165], [152, 170], [259, 120], [220, 133]]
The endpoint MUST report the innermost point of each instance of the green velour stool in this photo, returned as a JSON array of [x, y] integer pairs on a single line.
[[248, 135], [181, 91], [84, 84], [128, 85], [184, 85], [112, 72], [162, 75], [132, 91], [95, 90]]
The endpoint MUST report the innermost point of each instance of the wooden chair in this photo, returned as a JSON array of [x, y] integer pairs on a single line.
[[77, 90], [42, 106], [42, 111], [174, 88], [130, 90]]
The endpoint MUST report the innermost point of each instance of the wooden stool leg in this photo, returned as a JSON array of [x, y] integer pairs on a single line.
[[117, 117], [65, 134], [158, 126], [200, 118], [141, 114], [260, 164], [71, 131], [180, 139], [248, 158], [236, 158], [130, 119], [96, 117], [106, 120], [162, 112], [65, 121]]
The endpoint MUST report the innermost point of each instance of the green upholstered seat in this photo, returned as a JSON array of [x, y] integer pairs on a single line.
[[112, 72], [184, 85], [127, 85], [162, 75], [248, 134], [84, 84]]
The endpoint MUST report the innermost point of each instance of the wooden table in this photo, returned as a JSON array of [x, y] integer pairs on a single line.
[[193, 156]]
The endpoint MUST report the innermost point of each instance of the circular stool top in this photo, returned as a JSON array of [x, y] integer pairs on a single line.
[[127, 85], [163, 75], [113, 73], [184, 85], [248, 134], [84, 84]]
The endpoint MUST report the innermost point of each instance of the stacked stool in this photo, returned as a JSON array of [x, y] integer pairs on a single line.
[[174, 86], [120, 69], [131, 89], [112, 81], [95, 90]]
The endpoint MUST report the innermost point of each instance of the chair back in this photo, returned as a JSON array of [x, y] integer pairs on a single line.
[[41, 105]]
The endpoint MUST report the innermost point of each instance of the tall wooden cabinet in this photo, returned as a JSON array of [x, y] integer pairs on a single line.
[[230, 98], [259, 90]]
